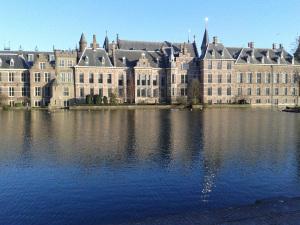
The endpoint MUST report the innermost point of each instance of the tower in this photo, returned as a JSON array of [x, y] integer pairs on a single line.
[[82, 43]]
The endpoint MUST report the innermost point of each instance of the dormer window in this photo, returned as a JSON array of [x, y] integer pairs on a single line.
[[262, 59], [30, 58], [222, 52], [51, 58], [212, 53], [103, 60], [12, 62], [278, 60], [143, 55], [124, 60], [86, 60], [0, 62], [248, 59]]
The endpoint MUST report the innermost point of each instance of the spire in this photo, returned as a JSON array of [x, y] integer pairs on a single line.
[[205, 40], [106, 43], [82, 43], [297, 53]]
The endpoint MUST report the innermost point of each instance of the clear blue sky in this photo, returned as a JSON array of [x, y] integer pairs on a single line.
[[45, 23]]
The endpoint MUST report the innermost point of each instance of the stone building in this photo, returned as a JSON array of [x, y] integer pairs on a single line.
[[138, 72]]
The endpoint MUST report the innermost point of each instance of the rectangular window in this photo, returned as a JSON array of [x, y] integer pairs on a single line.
[[173, 78], [100, 92], [209, 78], [240, 91], [209, 91], [30, 58], [23, 77], [81, 92], [229, 91], [47, 77], [66, 91], [42, 65], [24, 91], [219, 78], [258, 91], [11, 91], [37, 77], [100, 78], [219, 91], [62, 63], [229, 78], [120, 92], [92, 91], [249, 91], [81, 78], [209, 65], [144, 80], [138, 93], [109, 78], [268, 78], [38, 91], [249, 80], [173, 91], [120, 81], [293, 91], [276, 91], [143, 92], [0, 76], [11, 77], [258, 78], [70, 63], [267, 91], [240, 78], [285, 91], [285, 78], [154, 80], [109, 91], [182, 79], [91, 78], [276, 78], [219, 65], [229, 65]]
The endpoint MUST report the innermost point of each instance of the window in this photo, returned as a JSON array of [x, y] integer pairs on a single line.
[[294, 79], [120, 81], [240, 78], [229, 65], [81, 78], [276, 78], [62, 63], [38, 91], [51, 58], [258, 78], [37, 103], [70, 63], [121, 92], [183, 91], [267, 91], [258, 101], [47, 77], [240, 91], [293, 91], [11, 77], [219, 91], [285, 91], [209, 78], [249, 80], [285, 78], [249, 91], [42, 65], [219, 78], [0, 90], [143, 93], [37, 77], [229, 91], [258, 91], [144, 80], [229, 78], [209, 91], [173, 78], [100, 92], [268, 78], [30, 58], [100, 78], [81, 91], [91, 78], [219, 65], [11, 91], [182, 79], [138, 93], [138, 81], [47, 91], [155, 92], [109, 91], [12, 62], [23, 77], [154, 80], [209, 65], [276, 91], [109, 78], [148, 79], [92, 91], [66, 91], [173, 91], [24, 91]]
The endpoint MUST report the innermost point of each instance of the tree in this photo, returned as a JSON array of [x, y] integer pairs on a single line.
[[113, 99], [97, 100], [105, 100], [194, 91], [89, 100], [3, 99]]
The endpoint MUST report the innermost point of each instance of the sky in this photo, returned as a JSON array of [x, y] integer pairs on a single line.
[[48, 23]]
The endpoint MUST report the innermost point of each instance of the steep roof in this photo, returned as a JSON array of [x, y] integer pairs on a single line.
[[19, 61], [216, 51], [205, 40], [95, 58], [297, 53], [129, 58]]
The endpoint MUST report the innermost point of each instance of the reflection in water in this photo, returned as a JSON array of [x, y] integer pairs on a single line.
[[113, 166]]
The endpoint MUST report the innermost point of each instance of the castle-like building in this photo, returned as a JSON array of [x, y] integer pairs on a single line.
[[151, 72]]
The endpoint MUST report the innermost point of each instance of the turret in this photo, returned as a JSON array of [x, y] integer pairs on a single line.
[[82, 43]]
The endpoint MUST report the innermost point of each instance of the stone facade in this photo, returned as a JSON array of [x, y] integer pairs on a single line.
[[151, 72]]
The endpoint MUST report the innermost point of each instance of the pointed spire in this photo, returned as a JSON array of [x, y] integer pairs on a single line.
[[82, 39], [205, 40], [106, 43], [82, 43]]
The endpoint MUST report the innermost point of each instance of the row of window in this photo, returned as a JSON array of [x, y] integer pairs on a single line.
[[26, 93], [257, 101], [82, 93], [219, 65], [184, 79], [250, 91], [147, 92], [66, 63], [12, 77], [99, 78]]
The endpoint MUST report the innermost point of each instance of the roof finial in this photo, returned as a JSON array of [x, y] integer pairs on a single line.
[[194, 38]]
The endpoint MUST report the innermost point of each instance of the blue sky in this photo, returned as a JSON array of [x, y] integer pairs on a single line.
[[45, 23]]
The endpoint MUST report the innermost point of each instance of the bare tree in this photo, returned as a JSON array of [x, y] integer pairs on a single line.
[[194, 91]]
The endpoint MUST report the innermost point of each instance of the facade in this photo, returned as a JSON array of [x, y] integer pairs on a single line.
[[138, 72]]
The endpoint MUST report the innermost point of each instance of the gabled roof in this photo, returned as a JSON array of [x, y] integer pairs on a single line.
[[94, 58], [129, 58], [216, 51], [19, 61]]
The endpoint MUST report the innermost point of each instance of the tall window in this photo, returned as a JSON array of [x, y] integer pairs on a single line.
[[100, 78], [228, 78], [11, 91], [81, 78], [47, 77], [258, 78], [294, 91], [219, 91], [209, 91], [23, 77], [276, 91], [258, 91], [100, 92], [240, 78], [209, 78], [109, 78], [249, 91], [24, 91], [92, 91], [120, 80], [229, 91], [91, 78], [209, 65], [42, 65], [276, 78], [0, 76], [37, 77], [182, 79], [66, 91], [240, 91], [11, 77], [81, 90], [38, 91], [285, 91], [219, 65], [173, 78], [220, 78], [62, 63], [249, 81], [267, 91], [229, 65], [285, 78], [268, 78]]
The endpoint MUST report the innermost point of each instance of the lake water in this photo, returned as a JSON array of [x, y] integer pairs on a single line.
[[120, 166]]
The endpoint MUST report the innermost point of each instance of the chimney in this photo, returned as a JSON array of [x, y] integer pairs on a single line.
[[215, 40], [280, 46], [251, 45], [274, 46]]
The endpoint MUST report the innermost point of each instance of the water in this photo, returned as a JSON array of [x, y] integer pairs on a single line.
[[122, 166]]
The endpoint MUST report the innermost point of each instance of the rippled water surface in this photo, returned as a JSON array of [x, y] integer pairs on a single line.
[[120, 166]]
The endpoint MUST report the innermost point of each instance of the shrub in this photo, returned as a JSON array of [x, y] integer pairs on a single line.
[[89, 100], [181, 100], [18, 104], [105, 100], [97, 100], [113, 99]]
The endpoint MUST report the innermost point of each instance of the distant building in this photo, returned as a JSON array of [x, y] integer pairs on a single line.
[[151, 72]]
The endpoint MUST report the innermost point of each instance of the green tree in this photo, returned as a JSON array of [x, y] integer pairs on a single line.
[[3, 99], [89, 100], [105, 100], [97, 100], [113, 99]]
